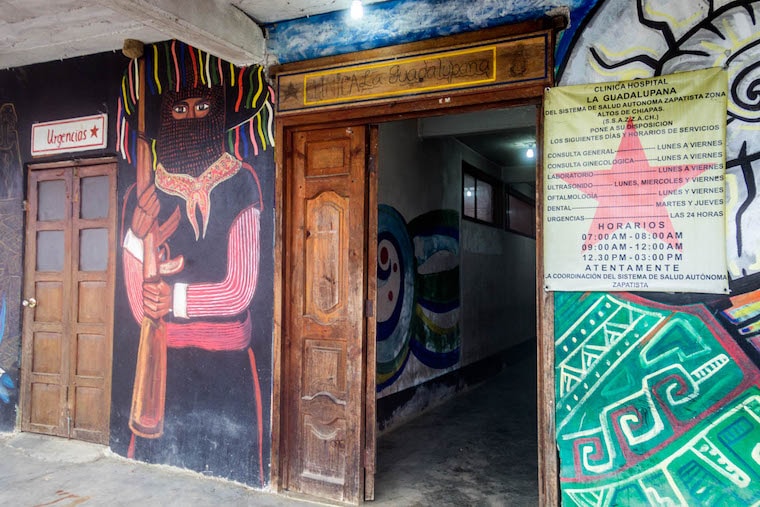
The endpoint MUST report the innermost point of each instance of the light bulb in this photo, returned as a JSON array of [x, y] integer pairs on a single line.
[[530, 153], [357, 9]]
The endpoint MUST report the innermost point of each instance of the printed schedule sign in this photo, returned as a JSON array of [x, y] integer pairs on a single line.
[[634, 185]]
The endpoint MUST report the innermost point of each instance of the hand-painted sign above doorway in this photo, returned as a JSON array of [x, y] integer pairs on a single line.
[[634, 185], [70, 135], [378, 76]]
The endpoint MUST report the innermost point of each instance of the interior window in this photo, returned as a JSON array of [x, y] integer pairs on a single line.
[[480, 196]]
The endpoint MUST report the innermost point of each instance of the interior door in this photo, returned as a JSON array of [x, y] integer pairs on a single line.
[[69, 290], [328, 451]]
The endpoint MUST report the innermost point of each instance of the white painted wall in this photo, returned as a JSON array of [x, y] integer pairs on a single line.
[[498, 283]]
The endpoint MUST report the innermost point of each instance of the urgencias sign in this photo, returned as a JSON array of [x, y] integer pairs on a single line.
[[70, 135]]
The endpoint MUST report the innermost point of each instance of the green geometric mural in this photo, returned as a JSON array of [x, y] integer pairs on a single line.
[[656, 405]]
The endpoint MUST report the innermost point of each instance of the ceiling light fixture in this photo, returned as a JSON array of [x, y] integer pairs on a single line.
[[530, 152], [357, 9]]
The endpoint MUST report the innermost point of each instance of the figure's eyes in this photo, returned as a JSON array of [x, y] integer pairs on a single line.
[[191, 108]]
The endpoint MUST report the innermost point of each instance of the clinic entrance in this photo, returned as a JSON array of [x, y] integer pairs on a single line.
[[324, 369]]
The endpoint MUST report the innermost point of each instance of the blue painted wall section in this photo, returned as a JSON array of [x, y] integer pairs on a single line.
[[401, 21], [7, 385]]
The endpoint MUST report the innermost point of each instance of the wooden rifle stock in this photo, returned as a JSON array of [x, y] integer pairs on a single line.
[[146, 417]]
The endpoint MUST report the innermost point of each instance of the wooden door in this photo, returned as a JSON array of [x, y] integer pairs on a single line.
[[328, 451], [69, 291]]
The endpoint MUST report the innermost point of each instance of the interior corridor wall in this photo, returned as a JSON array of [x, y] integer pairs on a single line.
[[499, 287], [463, 291]]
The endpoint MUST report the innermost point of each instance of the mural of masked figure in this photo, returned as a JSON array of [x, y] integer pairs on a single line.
[[206, 203]]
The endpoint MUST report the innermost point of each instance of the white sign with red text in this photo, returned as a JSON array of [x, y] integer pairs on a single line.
[[70, 135]]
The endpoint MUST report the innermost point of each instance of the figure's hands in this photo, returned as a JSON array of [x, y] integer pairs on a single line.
[[145, 217], [146, 212], [157, 299]]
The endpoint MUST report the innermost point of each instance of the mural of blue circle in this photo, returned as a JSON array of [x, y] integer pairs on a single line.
[[395, 294]]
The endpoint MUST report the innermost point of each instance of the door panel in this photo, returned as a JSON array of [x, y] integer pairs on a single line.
[[325, 254], [49, 310], [326, 329], [93, 265], [47, 282], [69, 279]]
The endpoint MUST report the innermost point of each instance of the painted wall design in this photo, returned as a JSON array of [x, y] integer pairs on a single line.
[[417, 294], [655, 404], [207, 211], [400, 21], [11, 175], [668, 37], [6, 381], [689, 417], [658, 399], [11, 229]]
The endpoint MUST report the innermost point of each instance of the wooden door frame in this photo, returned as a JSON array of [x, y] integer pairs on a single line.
[[463, 101]]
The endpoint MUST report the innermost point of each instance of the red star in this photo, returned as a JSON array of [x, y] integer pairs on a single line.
[[94, 131], [626, 193]]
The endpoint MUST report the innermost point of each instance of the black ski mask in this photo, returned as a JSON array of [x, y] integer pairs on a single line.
[[191, 145]]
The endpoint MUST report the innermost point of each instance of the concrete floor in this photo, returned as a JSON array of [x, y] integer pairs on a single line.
[[479, 449]]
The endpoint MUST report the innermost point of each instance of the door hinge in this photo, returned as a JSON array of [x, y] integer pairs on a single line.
[[369, 308], [25, 206]]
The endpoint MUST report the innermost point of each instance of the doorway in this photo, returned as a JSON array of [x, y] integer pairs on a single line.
[[456, 309], [328, 211], [327, 445], [68, 298], [362, 90]]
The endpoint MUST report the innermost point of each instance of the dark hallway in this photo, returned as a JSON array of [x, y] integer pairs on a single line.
[[477, 449]]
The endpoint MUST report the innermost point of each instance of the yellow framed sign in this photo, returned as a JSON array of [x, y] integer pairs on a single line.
[[378, 76], [634, 185]]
